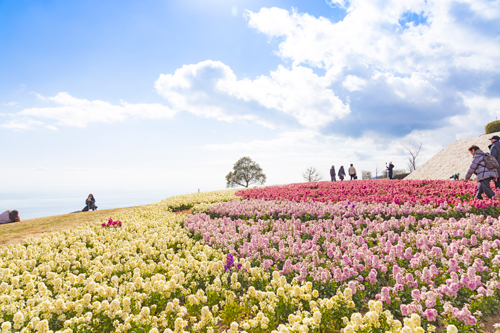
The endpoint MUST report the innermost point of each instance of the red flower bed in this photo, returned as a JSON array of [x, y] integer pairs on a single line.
[[434, 192]]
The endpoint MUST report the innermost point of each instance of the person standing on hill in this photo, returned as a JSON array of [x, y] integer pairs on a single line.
[[341, 173], [352, 172], [495, 152], [484, 175], [332, 173], [389, 170]]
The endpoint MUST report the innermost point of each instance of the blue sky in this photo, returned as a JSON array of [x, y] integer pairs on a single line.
[[152, 95]]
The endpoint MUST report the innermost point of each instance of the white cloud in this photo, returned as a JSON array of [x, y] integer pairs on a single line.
[[353, 83], [371, 35], [211, 89], [21, 124], [405, 65], [72, 111], [416, 88], [12, 103]]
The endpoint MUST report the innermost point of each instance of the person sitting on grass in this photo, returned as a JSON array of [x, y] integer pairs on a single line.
[[9, 216], [89, 204], [484, 175]]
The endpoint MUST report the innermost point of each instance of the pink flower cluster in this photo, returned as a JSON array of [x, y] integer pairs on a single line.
[[413, 264], [112, 223], [433, 192], [262, 209]]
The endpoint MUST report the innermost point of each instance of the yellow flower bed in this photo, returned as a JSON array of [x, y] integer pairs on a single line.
[[187, 201], [150, 276]]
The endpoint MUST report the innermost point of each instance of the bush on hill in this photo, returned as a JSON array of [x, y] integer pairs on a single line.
[[492, 127]]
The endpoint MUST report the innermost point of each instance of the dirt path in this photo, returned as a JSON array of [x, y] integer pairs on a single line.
[[13, 233]]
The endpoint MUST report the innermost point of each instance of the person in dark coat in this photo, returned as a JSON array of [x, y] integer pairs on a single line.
[[495, 152], [332, 173], [484, 175], [341, 173], [389, 170], [89, 204]]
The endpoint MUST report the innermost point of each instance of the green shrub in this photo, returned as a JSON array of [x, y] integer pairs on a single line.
[[492, 127]]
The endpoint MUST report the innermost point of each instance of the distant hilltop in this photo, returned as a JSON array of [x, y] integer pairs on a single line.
[[451, 160]]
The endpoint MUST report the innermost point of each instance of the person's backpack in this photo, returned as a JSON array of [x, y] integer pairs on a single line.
[[490, 162]]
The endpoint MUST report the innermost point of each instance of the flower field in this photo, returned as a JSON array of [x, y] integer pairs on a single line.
[[363, 256]]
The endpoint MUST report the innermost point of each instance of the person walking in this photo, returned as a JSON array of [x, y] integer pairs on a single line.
[[495, 152], [341, 173], [332, 173], [352, 172], [484, 175], [389, 170]]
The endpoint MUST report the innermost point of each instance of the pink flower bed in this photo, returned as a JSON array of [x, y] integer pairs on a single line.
[[434, 192], [425, 255], [271, 209]]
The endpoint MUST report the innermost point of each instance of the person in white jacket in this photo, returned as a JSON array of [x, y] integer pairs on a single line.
[[9, 216]]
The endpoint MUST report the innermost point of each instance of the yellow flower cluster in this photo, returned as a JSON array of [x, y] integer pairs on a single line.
[[187, 201], [377, 320]]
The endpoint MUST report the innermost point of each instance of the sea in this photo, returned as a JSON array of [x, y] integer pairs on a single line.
[[41, 204]]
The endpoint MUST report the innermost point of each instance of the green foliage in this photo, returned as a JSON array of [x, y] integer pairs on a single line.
[[245, 172], [492, 127]]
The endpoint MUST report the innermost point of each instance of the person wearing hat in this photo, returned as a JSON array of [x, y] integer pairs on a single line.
[[495, 152], [389, 170]]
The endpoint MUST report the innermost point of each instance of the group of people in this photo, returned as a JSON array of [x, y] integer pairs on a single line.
[[483, 166], [486, 167], [352, 172], [341, 173]]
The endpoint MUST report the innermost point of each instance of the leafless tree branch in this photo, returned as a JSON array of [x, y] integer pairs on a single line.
[[312, 175], [413, 149]]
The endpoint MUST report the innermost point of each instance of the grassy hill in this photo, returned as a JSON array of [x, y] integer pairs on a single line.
[[13, 233]]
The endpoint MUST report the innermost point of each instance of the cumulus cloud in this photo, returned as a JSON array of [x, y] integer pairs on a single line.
[[387, 67], [76, 112], [399, 66], [211, 89], [353, 83]]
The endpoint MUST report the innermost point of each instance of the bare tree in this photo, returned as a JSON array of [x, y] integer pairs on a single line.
[[413, 149], [245, 172], [312, 175], [366, 174]]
